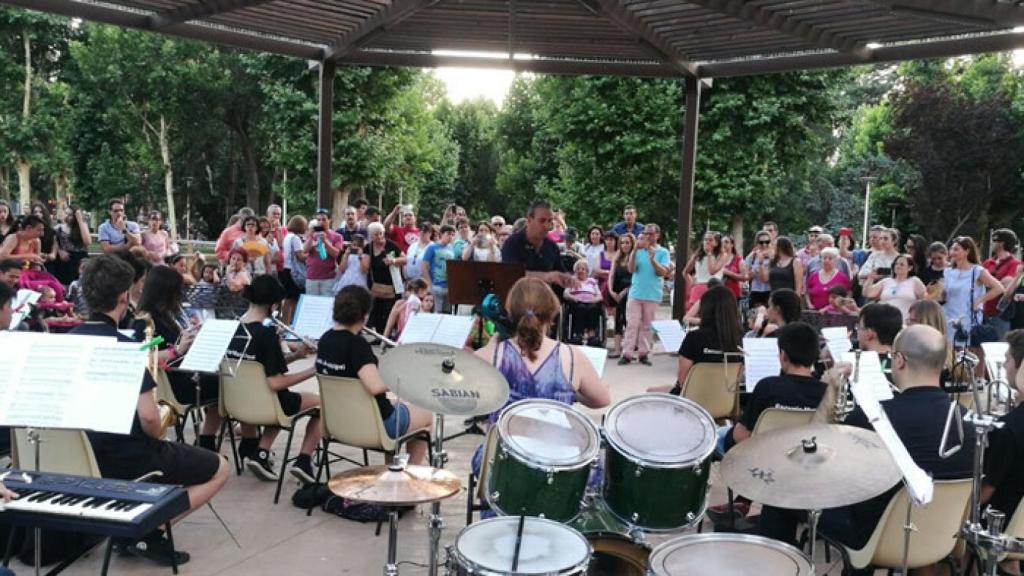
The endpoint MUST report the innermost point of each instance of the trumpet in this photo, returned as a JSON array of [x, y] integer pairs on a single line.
[[844, 404], [284, 328]]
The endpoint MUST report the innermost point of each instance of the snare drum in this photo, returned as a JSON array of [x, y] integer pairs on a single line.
[[657, 461], [542, 461], [486, 548], [728, 555]]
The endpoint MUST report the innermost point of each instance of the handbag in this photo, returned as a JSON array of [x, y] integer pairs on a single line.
[[379, 290], [980, 333], [1006, 306]]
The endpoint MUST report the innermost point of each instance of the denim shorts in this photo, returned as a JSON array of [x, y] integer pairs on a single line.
[[398, 422]]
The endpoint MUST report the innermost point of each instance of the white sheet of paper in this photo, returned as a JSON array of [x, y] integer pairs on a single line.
[[837, 340], [396, 279], [22, 306], [761, 360], [870, 373], [208, 349], [919, 484], [597, 356], [670, 333], [995, 352], [314, 316], [96, 372], [438, 329]]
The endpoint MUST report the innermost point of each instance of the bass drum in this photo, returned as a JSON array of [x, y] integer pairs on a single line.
[[615, 552], [542, 461], [657, 461], [487, 548]]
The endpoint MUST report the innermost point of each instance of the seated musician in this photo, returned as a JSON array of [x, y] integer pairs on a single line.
[[106, 281], [1003, 488], [264, 294], [795, 388], [877, 328], [918, 415], [342, 351], [160, 305]]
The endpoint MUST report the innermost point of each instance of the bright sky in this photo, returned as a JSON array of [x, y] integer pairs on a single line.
[[469, 83]]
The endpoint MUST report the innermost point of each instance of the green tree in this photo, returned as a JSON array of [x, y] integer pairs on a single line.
[[472, 125]]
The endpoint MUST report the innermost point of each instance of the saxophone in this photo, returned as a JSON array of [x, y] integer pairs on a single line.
[[167, 416]]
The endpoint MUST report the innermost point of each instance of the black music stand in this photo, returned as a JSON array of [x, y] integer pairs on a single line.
[[469, 283]]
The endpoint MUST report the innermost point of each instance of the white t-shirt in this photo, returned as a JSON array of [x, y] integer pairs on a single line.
[[292, 244]]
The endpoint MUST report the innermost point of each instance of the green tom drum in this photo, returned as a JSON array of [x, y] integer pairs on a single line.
[[657, 461], [542, 461]]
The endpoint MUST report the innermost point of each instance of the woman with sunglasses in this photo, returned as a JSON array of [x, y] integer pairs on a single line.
[[759, 259], [901, 289], [155, 239], [255, 246], [706, 263]]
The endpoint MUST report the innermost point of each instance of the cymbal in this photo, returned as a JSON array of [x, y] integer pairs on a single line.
[[443, 379], [847, 465], [401, 487]]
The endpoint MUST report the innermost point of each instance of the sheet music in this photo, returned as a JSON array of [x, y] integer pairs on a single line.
[[870, 373], [670, 333], [314, 316], [396, 279], [438, 329], [995, 352], [597, 356], [837, 340], [919, 484], [22, 306], [96, 372], [760, 360], [208, 349]]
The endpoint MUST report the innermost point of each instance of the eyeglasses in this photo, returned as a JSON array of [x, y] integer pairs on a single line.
[[764, 242]]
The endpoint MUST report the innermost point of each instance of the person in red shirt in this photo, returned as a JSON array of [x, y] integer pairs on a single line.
[[233, 231], [405, 234], [1003, 266]]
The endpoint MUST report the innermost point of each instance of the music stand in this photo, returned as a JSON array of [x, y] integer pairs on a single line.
[[469, 283]]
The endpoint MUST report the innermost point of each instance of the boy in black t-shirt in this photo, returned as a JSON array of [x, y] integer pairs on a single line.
[[260, 343]]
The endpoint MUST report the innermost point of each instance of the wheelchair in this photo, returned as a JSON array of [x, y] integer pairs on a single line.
[[573, 319]]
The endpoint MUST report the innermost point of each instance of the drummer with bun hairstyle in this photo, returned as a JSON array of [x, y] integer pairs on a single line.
[[535, 365]]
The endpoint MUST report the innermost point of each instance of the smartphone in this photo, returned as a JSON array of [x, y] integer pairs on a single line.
[[884, 271]]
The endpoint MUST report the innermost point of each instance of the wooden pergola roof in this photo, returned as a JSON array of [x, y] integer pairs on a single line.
[[694, 38]]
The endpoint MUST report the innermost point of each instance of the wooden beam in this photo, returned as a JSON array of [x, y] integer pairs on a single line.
[[325, 136], [648, 39], [385, 18], [129, 19], [540, 66], [686, 185], [199, 11], [775, 20], [984, 13]]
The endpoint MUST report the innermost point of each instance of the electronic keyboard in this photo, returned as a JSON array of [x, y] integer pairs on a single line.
[[117, 508]]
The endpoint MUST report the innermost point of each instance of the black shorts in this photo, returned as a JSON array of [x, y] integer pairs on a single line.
[[180, 464], [185, 388], [291, 402], [291, 289]]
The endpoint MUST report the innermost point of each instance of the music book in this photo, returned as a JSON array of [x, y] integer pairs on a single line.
[[837, 341], [870, 373], [314, 316], [210, 346], [760, 360], [919, 484], [437, 329], [597, 357], [22, 306], [671, 334], [96, 388]]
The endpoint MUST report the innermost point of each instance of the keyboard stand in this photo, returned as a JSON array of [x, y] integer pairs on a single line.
[[110, 547]]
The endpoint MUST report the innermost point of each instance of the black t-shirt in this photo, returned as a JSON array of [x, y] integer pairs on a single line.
[[264, 347], [929, 276], [785, 391], [697, 341], [518, 250], [342, 353], [136, 444], [1004, 463], [380, 273], [918, 415]]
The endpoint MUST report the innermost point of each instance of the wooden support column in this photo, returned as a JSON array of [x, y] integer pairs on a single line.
[[325, 143], [692, 118]]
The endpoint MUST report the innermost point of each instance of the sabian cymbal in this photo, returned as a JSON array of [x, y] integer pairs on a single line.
[[401, 487], [443, 379], [845, 465]]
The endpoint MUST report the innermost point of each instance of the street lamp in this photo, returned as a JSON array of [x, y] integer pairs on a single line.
[[868, 180]]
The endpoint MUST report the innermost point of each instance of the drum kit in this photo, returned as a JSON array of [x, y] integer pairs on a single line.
[[564, 510]]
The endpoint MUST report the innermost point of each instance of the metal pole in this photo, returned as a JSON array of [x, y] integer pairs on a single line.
[[867, 208], [325, 145], [690, 131]]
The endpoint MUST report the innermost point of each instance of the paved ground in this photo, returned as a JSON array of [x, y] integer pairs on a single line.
[[281, 539]]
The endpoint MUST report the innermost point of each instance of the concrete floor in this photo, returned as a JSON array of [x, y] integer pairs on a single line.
[[281, 539]]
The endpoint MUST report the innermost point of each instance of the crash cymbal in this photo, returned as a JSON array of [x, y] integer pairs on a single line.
[[811, 467], [443, 379], [395, 487]]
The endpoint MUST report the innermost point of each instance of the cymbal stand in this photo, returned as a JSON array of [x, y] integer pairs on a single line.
[[812, 521], [439, 460], [989, 544], [391, 568]]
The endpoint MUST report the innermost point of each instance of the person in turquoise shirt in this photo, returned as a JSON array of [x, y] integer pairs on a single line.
[[650, 265], [435, 267]]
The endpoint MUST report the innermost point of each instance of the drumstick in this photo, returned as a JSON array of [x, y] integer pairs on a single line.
[[519, 543]]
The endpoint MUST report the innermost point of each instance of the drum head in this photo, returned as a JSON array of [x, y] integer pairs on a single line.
[[547, 546], [728, 555], [548, 433], [661, 430]]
